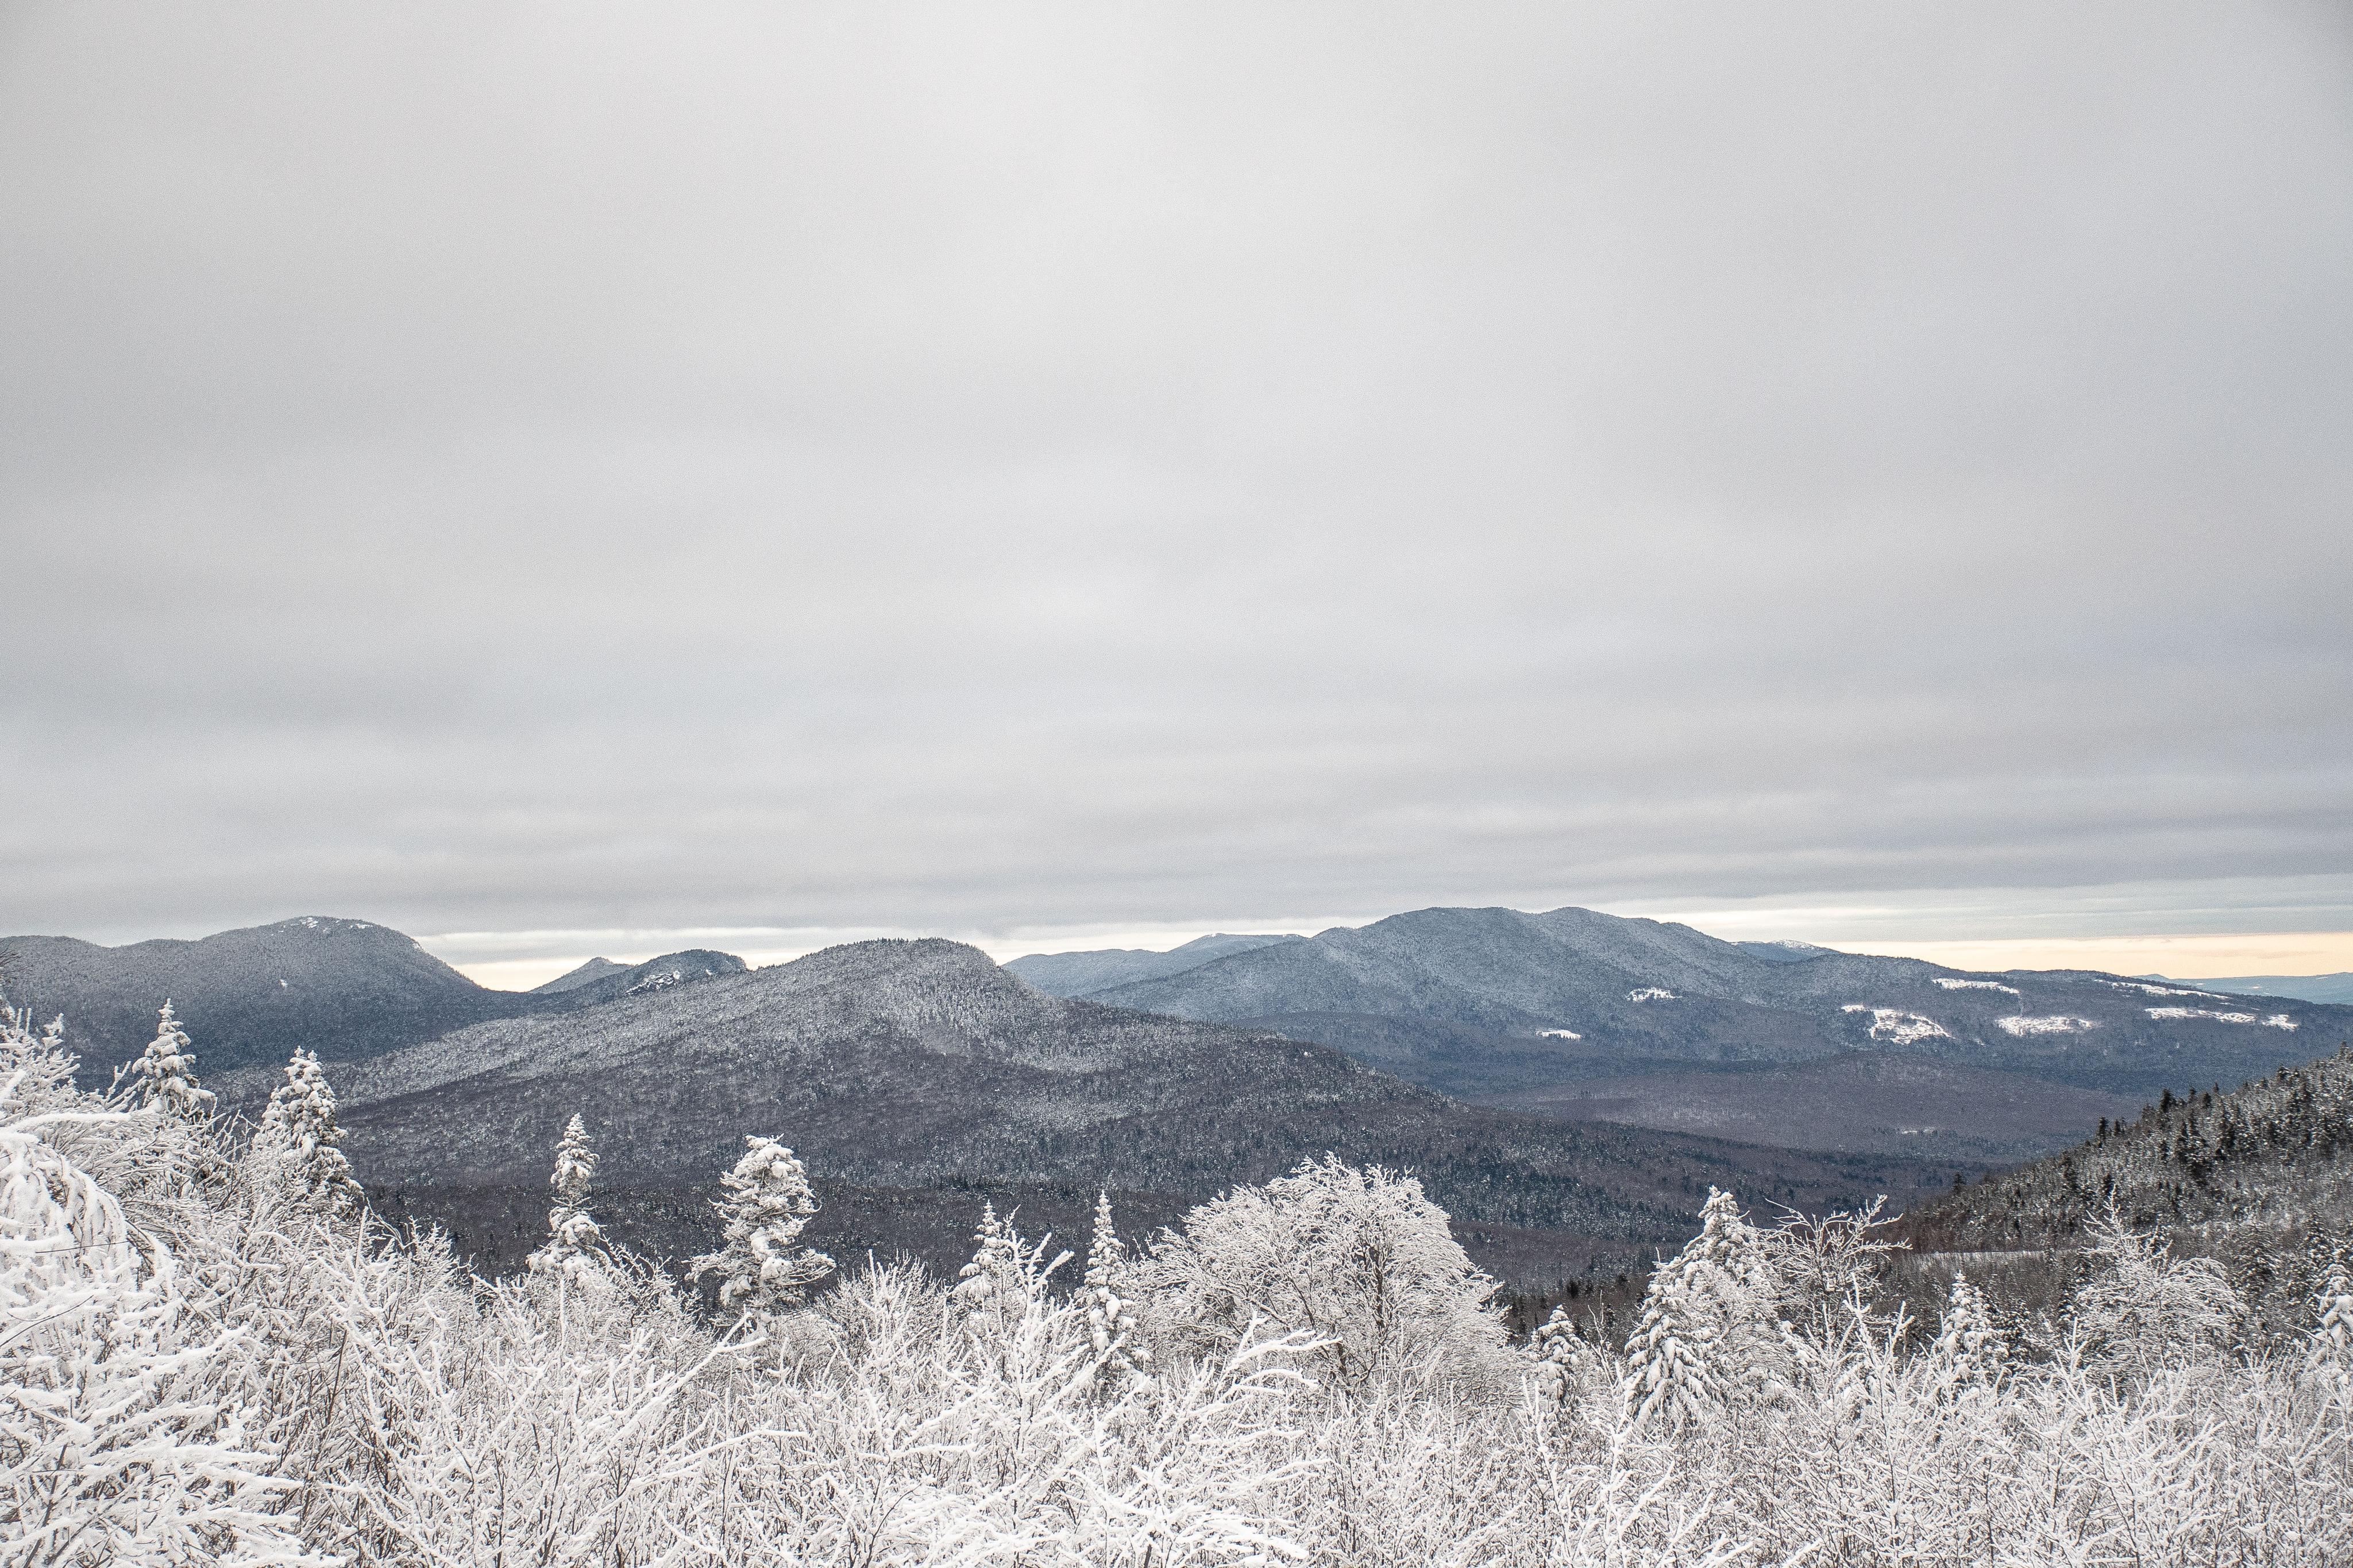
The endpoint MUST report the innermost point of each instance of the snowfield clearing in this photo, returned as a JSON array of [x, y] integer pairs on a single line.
[[1650, 993], [1898, 1026], [1558, 1034], [2056, 1023], [1949, 984], [2277, 1021]]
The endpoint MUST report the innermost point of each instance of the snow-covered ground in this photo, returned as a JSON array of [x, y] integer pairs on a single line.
[[1950, 983], [2055, 1024], [1898, 1026], [2275, 1021]]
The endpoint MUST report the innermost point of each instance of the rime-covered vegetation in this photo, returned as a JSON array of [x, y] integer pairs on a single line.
[[2258, 1179], [209, 1355]]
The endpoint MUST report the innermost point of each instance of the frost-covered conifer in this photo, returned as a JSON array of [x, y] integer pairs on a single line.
[[299, 1128], [763, 1268], [2332, 1338], [1110, 1326], [575, 1244], [167, 1073], [1708, 1336], [1670, 1356], [1563, 1362], [1970, 1345]]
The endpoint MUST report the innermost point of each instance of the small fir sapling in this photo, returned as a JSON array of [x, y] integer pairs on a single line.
[[575, 1244], [167, 1073], [1970, 1346], [299, 1128], [1111, 1325], [1563, 1362], [762, 1270]]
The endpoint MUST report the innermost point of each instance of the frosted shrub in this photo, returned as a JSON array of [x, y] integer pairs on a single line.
[[2146, 1308], [109, 1450], [1358, 1259]]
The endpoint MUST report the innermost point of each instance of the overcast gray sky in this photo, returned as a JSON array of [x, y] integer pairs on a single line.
[[1037, 472]]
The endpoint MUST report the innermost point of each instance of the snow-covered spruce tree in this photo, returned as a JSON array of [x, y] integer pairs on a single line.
[[1564, 1365], [762, 1270], [298, 1131], [167, 1073], [1120, 1358], [1970, 1345], [575, 1247], [1708, 1337], [1358, 1259]]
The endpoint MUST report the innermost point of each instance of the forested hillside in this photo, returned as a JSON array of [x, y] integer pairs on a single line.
[[2275, 1153], [212, 1354]]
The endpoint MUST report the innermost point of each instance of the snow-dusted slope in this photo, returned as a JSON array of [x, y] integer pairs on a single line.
[[342, 988], [1645, 995], [1076, 973]]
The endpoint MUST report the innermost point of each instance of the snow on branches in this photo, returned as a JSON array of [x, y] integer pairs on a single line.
[[167, 1073], [762, 1270], [1120, 1359], [575, 1247], [107, 1454], [299, 1128], [1359, 1259], [1708, 1336]]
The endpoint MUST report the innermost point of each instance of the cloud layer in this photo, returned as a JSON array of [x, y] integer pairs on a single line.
[[582, 468]]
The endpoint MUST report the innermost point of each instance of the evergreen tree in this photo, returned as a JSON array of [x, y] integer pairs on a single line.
[[1564, 1361], [299, 1128], [1970, 1345], [1110, 1326], [1708, 1336], [763, 1268], [167, 1073], [1669, 1372], [575, 1244]]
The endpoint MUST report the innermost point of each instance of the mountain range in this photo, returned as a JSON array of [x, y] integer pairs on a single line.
[[918, 1077], [1579, 1014], [2336, 989], [345, 989], [1566, 1082]]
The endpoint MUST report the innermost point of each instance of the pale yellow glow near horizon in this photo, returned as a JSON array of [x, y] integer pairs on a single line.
[[2200, 957], [2182, 957]]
